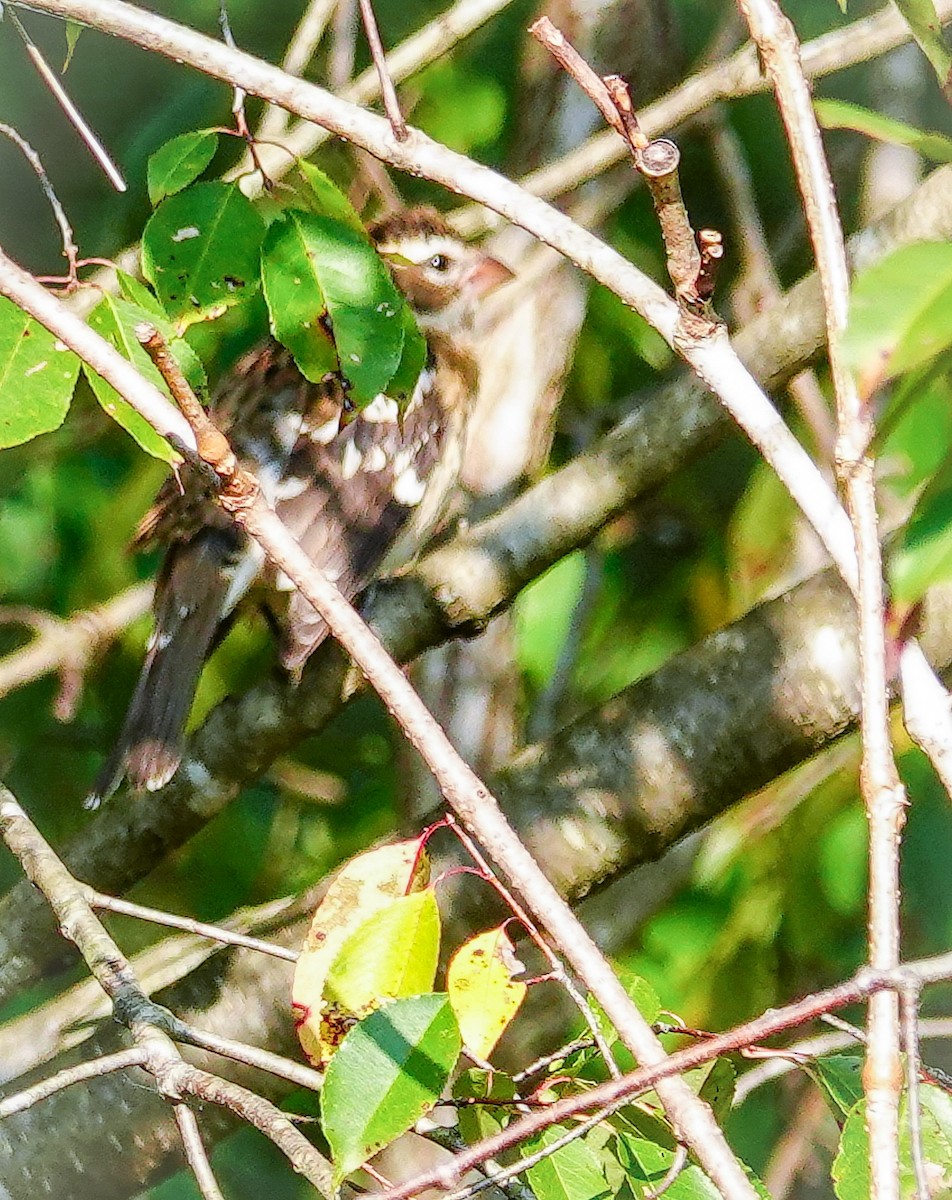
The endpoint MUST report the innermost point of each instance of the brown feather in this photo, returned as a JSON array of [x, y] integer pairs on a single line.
[[359, 493]]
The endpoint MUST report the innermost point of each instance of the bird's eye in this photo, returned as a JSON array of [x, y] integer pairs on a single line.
[[439, 262]]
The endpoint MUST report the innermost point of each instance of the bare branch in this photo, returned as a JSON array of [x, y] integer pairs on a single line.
[[104, 1065], [389, 93], [605, 1096], [883, 792], [195, 1153], [240, 496], [145, 1021], [76, 118], [67, 646], [226, 936], [458, 588]]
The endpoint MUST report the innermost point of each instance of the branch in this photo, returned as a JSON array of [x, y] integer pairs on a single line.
[[616, 1093], [67, 646], [174, 1078], [882, 789]]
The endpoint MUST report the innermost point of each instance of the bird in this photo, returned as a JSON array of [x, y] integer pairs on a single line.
[[362, 491]]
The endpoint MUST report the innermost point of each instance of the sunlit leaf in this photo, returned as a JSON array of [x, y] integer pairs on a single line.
[[639, 990], [841, 114], [393, 953], [179, 162], [484, 995], [200, 251], [646, 1164], [73, 29], [364, 886], [318, 193], [37, 377], [115, 319], [332, 302], [840, 1079], [926, 27], [851, 1164], [900, 313], [922, 554], [478, 1121], [192, 366], [389, 1071], [572, 1172]]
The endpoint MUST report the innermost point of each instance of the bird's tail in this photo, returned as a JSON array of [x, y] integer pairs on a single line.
[[190, 604]]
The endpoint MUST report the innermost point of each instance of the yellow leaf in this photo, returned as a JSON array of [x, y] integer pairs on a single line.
[[364, 886], [482, 991]]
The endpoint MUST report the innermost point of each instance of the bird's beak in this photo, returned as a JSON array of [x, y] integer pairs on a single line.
[[485, 275]]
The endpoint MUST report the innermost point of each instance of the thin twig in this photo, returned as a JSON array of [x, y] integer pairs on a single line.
[[678, 1163], [462, 788], [555, 963], [66, 646], [106, 1064], [657, 161], [304, 41], [734, 77], [70, 249], [126, 908], [340, 65], [131, 1007], [909, 1005], [615, 1093], [391, 105], [883, 792], [76, 119], [195, 1153], [252, 1056], [524, 1163]]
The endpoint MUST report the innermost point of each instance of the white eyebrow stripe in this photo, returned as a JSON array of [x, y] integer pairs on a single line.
[[419, 249]]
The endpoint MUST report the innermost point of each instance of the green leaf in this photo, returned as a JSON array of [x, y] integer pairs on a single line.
[[389, 1071], [900, 312], [319, 194], [839, 1077], [639, 990], [179, 162], [315, 269], [478, 1121], [73, 30], [115, 319], [922, 555], [393, 953], [412, 360], [850, 1169], [572, 1172], [200, 251], [851, 1164], [840, 114], [645, 1165], [544, 615], [715, 1084], [37, 377], [192, 367], [920, 16], [476, 116]]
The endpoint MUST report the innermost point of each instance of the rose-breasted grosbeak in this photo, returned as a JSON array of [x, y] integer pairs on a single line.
[[361, 491]]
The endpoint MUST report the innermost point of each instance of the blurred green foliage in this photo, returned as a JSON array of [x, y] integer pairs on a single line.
[[774, 905]]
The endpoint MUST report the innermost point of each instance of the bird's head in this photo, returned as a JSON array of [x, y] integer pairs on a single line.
[[441, 276]]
